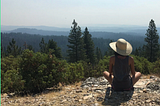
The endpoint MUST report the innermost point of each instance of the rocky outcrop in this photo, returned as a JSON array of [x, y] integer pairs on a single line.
[[93, 92]]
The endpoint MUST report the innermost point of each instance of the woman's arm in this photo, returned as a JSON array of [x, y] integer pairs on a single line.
[[131, 61], [111, 63], [135, 75]]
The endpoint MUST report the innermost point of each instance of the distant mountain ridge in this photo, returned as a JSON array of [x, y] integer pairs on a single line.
[[97, 34], [5, 28], [39, 32], [46, 30], [93, 28]]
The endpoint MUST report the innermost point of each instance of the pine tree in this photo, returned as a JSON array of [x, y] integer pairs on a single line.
[[13, 49], [25, 45], [30, 47], [76, 48], [136, 52], [110, 50], [43, 46], [142, 53], [3, 54], [56, 50], [98, 53], [152, 46], [89, 46]]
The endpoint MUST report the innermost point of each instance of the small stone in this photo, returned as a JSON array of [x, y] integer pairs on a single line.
[[96, 104], [103, 83], [86, 97], [85, 86], [109, 86], [144, 90], [148, 101], [99, 99], [4, 95], [98, 91], [76, 100], [152, 77], [7, 96], [80, 100], [11, 94], [89, 82], [78, 91], [135, 94], [95, 85], [17, 101], [64, 100]]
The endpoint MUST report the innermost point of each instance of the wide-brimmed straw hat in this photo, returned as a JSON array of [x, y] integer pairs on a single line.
[[122, 47]]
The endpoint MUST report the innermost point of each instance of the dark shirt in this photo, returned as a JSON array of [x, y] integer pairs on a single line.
[[121, 72]]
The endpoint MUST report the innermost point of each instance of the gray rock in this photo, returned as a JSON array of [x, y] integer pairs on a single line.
[[153, 86], [99, 98], [78, 91], [152, 77]]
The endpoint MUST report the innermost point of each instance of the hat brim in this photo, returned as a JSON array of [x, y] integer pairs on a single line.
[[119, 51]]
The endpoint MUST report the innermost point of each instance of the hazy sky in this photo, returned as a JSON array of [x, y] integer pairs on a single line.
[[60, 13]]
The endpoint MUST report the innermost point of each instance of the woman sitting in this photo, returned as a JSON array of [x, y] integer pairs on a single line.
[[120, 66]]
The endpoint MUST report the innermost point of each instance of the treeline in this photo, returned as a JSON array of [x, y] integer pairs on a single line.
[[62, 42], [25, 69]]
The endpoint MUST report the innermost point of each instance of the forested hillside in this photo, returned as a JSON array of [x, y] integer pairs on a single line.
[[102, 41]]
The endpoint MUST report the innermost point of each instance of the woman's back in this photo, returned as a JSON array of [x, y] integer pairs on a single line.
[[121, 68], [121, 73]]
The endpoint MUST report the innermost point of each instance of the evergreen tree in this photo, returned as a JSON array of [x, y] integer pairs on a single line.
[[76, 48], [13, 49], [136, 52], [110, 50], [142, 53], [89, 46], [152, 46], [98, 53], [105, 53], [3, 54], [56, 50], [25, 45], [43, 46], [30, 47]]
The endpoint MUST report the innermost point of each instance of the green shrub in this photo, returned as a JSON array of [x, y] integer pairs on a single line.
[[102, 66], [73, 72], [35, 72], [142, 65], [156, 67], [9, 63], [87, 69], [39, 70], [11, 79]]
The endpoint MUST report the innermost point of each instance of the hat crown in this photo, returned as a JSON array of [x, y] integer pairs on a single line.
[[121, 47], [121, 44]]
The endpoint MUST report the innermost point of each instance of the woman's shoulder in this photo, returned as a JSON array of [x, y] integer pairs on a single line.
[[130, 57], [112, 57], [131, 60]]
